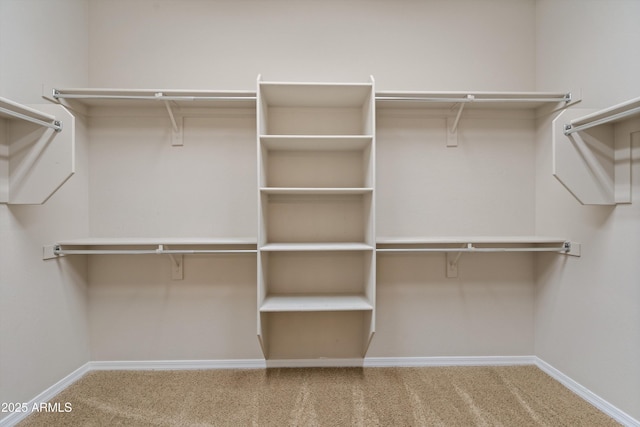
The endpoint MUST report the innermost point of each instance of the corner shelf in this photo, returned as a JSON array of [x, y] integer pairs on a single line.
[[592, 152], [37, 156]]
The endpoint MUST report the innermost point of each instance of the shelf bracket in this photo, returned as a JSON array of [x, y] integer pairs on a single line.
[[176, 123], [452, 261], [177, 263], [452, 123]]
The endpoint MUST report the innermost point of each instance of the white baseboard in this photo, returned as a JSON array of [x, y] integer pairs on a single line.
[[606, 407], [15, 417], [164, 365], [448, 361]]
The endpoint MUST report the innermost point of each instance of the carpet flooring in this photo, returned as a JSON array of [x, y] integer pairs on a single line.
[[433, 396]]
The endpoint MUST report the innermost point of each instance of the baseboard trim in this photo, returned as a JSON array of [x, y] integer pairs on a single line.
[[165, 365], [315, 363], [586, 394], [15, 417], [448, 361]]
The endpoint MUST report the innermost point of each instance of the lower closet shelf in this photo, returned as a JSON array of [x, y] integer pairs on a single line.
[[315, 302]]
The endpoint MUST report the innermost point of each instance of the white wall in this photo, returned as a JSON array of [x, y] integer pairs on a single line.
[[225, 44], [43, 318], [587, 316], [142, 186]]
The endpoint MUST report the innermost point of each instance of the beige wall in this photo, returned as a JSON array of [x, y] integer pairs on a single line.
[[587, 317], [43, 317]]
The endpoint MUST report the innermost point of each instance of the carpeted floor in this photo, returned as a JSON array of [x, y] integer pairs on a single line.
[[449, 396]]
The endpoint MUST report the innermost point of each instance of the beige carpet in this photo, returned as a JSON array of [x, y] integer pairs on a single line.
[[451, 396]]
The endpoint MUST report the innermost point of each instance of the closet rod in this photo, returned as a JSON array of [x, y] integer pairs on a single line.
[[564, 248], [156, 97], [474, 99], [570, 128], [60, 251], [54, 124]]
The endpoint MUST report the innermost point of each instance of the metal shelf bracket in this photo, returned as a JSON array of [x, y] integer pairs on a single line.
[[452, 123], [177, 133]]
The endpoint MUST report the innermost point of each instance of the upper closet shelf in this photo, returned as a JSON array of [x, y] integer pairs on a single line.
[[313, 95], [15, 111], [445, 100], [615, 114], [592, 152], [154, 97], [36, 153]]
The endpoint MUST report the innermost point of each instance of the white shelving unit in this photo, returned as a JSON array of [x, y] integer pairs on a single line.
[[316, 243], [36, 151], [592, 152], [316, 238]]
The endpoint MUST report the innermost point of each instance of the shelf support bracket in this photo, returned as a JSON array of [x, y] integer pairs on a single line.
[[177, 263], [176, 123], [452, 123], [452, 261]]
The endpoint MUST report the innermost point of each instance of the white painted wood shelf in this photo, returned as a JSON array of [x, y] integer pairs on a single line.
[[317, 247], [315, 302], [149, 98], [592, 154], [150, 245], [37, 151], [315, 191]]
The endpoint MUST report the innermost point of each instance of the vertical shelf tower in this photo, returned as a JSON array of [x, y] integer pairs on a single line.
[[316, 234]]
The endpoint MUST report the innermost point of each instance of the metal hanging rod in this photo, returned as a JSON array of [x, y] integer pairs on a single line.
[[471, 98], [566, 247], [159, 96], [570, 128], [57, 250], [53, 124]]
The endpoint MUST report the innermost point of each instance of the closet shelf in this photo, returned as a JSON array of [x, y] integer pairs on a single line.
[[312, 95], [35, 161], [316, 142], [444, 100], [315, 302], [314, 191], [12, 110], [333, 246], [595, 166], [477, 244], [155, 97], [624, 111], [141, 246]]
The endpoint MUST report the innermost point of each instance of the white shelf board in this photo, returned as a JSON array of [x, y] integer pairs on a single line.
[[443, 240], [154, 241], [316, 142], [277, 94], [314, 191], [333, 246], [609, 115], [445, 100], [315, 302], [13, 106], [149, 97]]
